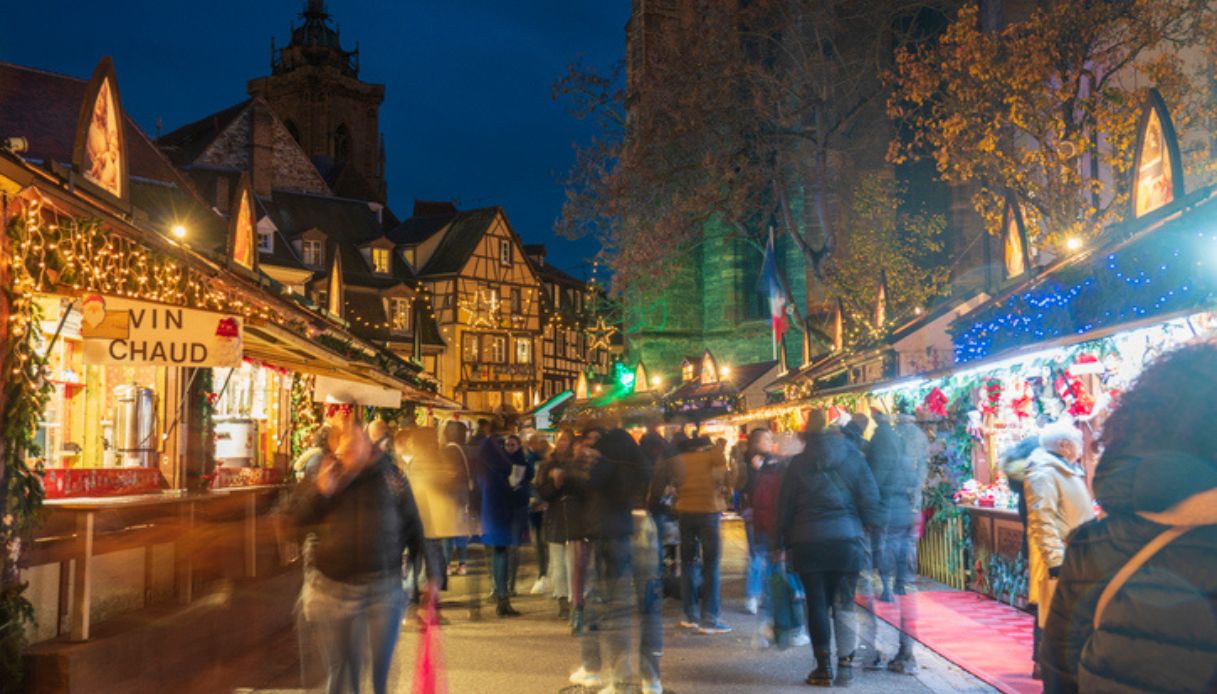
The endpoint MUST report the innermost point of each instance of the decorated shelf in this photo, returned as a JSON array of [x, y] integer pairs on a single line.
[[68, 483]]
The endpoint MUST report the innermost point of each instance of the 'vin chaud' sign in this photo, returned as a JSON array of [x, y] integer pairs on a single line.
[[125, 331]]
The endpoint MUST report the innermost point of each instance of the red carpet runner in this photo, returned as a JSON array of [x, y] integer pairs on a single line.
[[989, 639]]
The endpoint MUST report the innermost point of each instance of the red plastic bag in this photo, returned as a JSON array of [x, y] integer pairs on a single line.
[[427, 676]]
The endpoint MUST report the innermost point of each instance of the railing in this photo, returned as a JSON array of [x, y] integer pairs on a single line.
[[497, 373], [941, 554]]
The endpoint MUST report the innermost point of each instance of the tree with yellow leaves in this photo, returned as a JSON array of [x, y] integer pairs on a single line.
[[1046, 108]]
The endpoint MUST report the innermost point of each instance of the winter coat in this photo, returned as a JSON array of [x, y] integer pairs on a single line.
[[614, 487], [764, 491], [563, 520], [917, 457], [827, 501], [699, 475], [885, 456], [504, 508], [441, 487], [363, 528], [1159, 632], [1057, 502]]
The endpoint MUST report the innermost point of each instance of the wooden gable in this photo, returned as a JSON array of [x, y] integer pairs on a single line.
[[242, 234], [486, 262], [100, 150]]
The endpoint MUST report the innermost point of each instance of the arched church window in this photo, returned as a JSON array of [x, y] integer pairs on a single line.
[[342, 144]]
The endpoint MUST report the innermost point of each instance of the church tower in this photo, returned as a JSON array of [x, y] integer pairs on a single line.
[[314, 88]]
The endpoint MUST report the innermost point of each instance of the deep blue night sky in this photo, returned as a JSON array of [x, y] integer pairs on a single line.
[[467, 112]]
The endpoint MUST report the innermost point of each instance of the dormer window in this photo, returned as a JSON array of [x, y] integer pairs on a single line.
[[312, 253], [401, 314], [505, 252], [266, 241], [380, 261]]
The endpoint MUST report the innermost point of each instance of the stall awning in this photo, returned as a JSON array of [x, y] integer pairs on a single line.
[[277, 346]]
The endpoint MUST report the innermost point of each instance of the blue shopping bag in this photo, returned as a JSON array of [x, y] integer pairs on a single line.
[[788, 602]]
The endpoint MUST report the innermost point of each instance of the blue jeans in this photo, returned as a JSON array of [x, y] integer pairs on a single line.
[[622, 564], [758, 559], [700, 531], [343, 617], [500, 569], [456, 548]]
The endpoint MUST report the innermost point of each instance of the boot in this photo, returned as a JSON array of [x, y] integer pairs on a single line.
[[505, 609], [577, 626], [563, 608], [822, 675], [845, 671]]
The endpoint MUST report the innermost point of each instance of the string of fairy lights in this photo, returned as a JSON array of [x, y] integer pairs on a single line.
[[61, 252]]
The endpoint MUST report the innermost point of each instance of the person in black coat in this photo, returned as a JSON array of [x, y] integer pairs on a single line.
[[563, 522], [363, 514], [1158, 473], [828, 501]]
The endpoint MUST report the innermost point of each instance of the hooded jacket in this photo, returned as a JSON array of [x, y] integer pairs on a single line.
[[1057, 502], [1159, 632], [828, 498], [885, 456]]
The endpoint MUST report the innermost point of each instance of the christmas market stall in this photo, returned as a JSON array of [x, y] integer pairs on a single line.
[[145, 356], [1060, 340], [630, 398]]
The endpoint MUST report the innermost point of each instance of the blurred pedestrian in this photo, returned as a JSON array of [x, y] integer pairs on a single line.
[[903, 532], [363, 513], [311, 457], [381, 434], [457, 548], [626, 553], [538, 451], [1136, 604], [563, 521], [828, 501], [758, 456], [504, 511], [699, 477], [441, 490], [1057, 502]]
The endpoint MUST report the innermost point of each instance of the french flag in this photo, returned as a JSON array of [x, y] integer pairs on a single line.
[[771, 286]]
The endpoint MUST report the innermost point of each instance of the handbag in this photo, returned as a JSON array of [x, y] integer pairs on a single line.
[[786, 601]]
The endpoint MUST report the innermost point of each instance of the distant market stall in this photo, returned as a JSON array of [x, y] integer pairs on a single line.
[[1062, 341]]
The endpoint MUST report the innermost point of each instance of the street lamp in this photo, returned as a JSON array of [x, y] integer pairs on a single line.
[[1073, 244], [179, 231]]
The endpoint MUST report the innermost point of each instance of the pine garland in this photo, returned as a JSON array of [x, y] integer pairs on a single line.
[[26, 393]]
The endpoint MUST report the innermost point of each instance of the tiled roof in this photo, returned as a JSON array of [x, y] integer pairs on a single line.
[[461, 239], [741, 377], [186, 144], [43, 107], [415, 230]]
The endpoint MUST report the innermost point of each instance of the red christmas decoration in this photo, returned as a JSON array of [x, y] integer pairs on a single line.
[[1023, 402], [936, 403], [992, 391]]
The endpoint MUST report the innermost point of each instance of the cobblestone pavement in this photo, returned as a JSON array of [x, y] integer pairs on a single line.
[[535, 653]]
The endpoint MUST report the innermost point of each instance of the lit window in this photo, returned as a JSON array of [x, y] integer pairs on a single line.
[[523, 350], [517, 302], [311, 253], [494, 349], [380, 260], [401, 314], [469, 347], [505, 252], [266, 242]]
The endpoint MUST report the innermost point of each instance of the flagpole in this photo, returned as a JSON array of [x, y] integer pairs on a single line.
[[773, 327]]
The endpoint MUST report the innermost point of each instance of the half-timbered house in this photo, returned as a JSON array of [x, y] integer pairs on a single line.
[[486, 297]]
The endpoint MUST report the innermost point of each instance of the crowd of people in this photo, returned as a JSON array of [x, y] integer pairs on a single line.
[[832, 516]]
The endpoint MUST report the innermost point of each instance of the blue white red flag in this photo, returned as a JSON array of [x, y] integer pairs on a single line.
[[771, 287]]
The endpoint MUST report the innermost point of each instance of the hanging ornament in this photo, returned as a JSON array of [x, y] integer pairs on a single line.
[[1023, 402], [990, 399], [935, 403]]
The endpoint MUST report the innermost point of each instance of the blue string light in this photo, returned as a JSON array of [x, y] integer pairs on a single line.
[[1143, 279]]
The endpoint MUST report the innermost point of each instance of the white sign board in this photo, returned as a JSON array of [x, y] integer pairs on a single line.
[[141, 333], [336, 390]]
